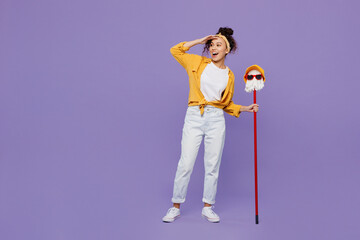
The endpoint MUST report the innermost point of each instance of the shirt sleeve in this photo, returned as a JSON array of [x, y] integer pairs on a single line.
[[233, 109], [185, 59]]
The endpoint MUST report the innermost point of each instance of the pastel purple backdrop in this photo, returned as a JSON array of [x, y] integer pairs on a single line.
[[92, 107]]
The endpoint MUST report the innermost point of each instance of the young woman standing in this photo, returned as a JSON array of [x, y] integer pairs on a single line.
[[211, 91]]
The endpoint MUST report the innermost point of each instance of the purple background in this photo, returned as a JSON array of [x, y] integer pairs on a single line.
[[92, 106]]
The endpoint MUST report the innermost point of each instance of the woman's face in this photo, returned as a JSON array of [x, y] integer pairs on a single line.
[[218, 49]]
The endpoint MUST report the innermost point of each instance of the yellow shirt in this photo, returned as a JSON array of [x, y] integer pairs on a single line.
[[194, 66]]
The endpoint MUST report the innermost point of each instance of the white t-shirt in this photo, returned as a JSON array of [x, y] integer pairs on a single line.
[[213, 81]]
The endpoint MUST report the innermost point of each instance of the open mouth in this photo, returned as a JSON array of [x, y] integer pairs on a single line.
[[214, 54]]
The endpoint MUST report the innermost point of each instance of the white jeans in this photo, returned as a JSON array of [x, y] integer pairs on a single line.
[[211, 125]]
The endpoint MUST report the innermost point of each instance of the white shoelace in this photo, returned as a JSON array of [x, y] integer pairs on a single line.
[[173, 209]]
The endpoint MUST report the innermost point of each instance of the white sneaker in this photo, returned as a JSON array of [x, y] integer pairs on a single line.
[[209, 214], [171, 214]]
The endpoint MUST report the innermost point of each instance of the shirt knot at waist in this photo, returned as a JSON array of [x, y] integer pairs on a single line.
[[202, 103]]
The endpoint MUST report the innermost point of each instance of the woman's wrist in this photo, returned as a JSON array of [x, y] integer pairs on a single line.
[[192, 43], [244, 109], [251, 108]]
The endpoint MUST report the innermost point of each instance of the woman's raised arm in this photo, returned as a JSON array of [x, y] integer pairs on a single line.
[[179, 51], [198, 41]]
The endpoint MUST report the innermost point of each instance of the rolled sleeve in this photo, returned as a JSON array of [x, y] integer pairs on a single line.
[[185, 59], [233, 109]]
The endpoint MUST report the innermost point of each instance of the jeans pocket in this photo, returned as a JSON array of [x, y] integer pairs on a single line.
[[193, 110]]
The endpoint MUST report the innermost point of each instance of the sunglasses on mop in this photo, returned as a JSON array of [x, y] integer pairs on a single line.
[[251, 77]]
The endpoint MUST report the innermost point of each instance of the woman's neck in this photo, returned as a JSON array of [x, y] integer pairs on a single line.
[[220, 64]]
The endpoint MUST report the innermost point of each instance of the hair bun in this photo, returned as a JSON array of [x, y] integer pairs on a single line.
[[226, 31]]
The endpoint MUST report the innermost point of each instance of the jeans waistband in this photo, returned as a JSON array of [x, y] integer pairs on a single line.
[[206, 106]]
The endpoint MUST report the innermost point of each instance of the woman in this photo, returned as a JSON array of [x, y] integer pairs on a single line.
[[211, 91]]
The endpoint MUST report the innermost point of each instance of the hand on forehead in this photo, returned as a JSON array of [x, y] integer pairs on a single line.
[[218, 39]]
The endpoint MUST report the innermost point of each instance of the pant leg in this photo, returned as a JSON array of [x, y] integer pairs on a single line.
[[214, 144], [191, 139]]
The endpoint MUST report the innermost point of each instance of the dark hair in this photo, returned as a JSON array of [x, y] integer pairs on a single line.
[[227, 32]]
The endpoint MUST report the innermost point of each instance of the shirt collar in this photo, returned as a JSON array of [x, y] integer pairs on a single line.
[[208, 60]]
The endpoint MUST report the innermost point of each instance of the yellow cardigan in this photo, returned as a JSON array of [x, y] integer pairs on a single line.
[[194, 66]]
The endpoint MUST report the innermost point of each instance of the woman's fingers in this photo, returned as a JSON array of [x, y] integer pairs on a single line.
[[254, 108], [207, 38]]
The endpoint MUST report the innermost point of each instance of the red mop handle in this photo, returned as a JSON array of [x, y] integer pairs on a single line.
[[255, 162]]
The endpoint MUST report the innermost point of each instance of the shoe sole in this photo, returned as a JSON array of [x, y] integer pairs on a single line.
[[171, 220], [209, 219]]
